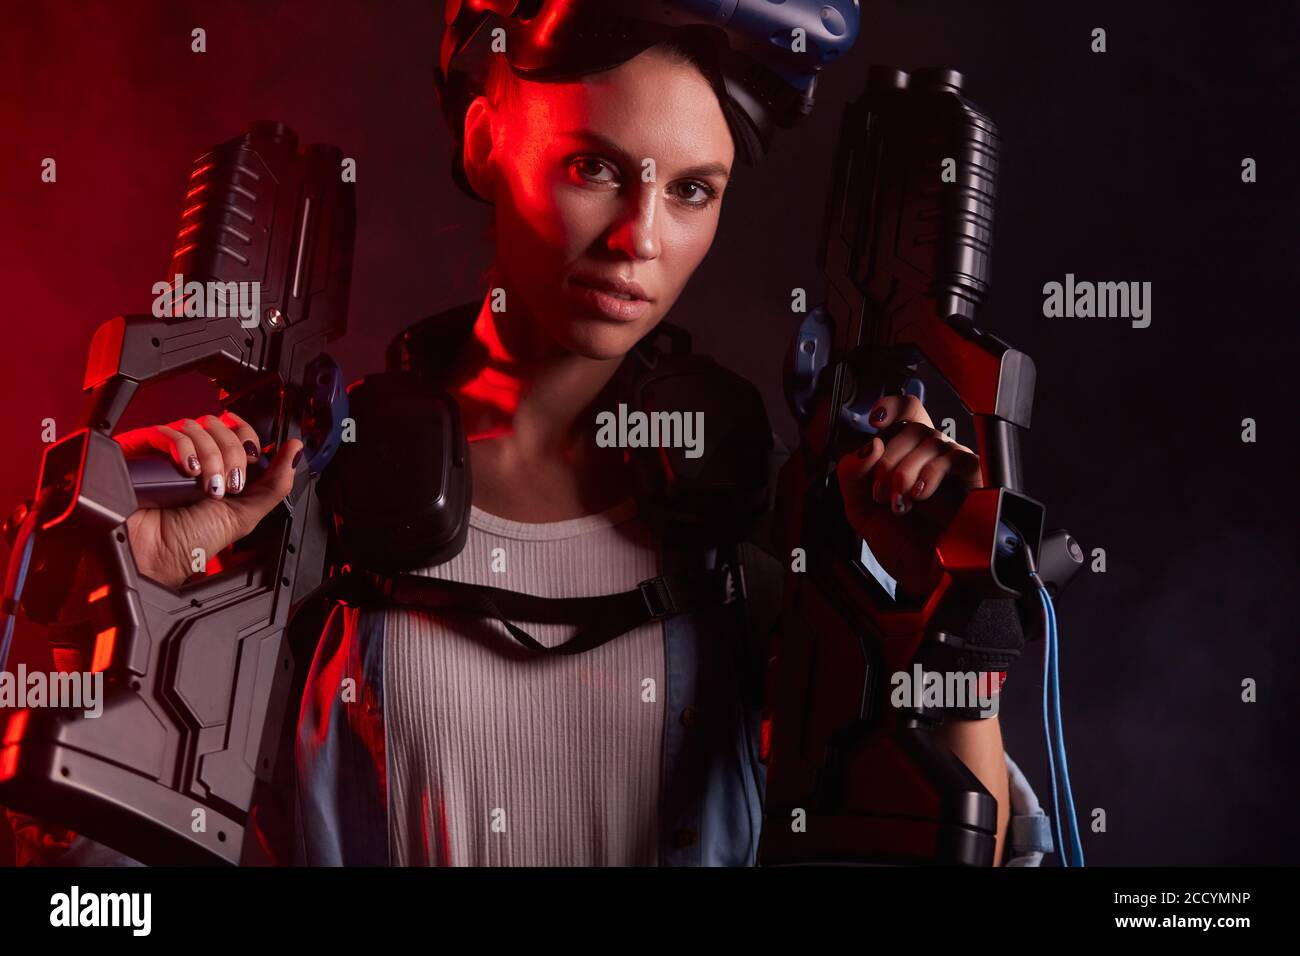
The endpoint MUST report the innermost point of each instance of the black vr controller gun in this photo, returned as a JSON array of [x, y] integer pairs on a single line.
[[906, 259], [195, 681]]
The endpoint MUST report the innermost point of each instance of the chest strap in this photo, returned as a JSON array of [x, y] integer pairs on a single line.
[[599, 619]]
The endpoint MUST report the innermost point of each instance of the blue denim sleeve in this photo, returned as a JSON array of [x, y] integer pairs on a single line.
[[341, 816]]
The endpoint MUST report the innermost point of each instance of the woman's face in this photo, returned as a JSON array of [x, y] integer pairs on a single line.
[[607, 193]]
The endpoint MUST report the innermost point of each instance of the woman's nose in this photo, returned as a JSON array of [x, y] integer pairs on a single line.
[[636, 234]]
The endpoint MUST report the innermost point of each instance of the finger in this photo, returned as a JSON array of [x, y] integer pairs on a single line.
[[181, 449], [856, 464], [906, 478], [234, 456], [895, 408], [956, 463], [853, 470], [897, 448], [174, 444], [245, 433], [211, 461], [268, 491]]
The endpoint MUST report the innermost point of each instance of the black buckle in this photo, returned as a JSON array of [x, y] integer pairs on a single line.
[[731, 576], [360, 588], [658, 600]]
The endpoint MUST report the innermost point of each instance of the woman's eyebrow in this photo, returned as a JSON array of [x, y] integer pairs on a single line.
[[706, 170], [703, 170]]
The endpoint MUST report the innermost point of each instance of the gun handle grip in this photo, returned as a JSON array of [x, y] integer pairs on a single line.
[[158, 484]]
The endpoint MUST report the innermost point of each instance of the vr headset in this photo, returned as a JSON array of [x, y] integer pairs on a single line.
[[763, 58]]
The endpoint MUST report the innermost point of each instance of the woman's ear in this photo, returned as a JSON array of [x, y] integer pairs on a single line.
[[477, 155]]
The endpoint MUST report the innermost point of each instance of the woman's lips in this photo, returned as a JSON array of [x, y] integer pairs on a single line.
[[608, 304]]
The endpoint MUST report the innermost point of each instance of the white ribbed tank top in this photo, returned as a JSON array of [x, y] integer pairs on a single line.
[[499, 757]]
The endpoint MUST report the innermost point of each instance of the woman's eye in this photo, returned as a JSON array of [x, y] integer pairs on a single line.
[[591, 170], [696, 193]]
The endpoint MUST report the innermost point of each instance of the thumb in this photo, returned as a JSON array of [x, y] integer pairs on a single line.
[[266, 492]]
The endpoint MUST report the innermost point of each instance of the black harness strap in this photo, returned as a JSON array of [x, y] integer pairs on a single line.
[[599, 619]]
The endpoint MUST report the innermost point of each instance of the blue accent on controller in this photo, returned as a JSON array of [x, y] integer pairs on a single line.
[[328, 407]]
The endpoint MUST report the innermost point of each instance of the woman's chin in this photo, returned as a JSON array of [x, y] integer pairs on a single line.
[[603, 338]]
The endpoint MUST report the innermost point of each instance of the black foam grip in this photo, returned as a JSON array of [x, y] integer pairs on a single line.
[[994, 637]]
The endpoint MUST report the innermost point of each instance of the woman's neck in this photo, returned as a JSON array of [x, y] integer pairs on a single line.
[[529, 414]]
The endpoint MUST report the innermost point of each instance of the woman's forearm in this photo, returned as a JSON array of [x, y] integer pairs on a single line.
[[978, 744]]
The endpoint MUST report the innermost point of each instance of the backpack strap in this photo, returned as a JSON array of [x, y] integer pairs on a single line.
[[599, 619]]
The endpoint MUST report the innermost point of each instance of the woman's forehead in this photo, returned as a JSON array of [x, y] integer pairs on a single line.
[[647, 107]]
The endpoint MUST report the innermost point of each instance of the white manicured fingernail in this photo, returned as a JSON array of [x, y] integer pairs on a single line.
[[217, 485], [900, 505]]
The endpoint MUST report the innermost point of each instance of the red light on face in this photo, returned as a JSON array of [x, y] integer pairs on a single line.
[[103, 650]]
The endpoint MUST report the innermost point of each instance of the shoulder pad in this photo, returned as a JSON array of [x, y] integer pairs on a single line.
[[718, 488], [401, 501]]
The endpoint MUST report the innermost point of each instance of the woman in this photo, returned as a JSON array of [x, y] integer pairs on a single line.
[[421, 742]]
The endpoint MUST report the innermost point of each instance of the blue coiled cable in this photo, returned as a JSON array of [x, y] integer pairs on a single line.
[[1071, 854]]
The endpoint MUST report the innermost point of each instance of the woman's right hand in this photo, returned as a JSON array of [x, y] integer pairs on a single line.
[[220, 450]]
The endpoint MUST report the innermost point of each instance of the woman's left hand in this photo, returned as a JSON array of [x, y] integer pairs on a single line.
[[880, 483], [913, 464]]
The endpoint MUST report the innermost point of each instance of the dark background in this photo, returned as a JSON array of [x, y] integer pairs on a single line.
[[1123, 166]]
